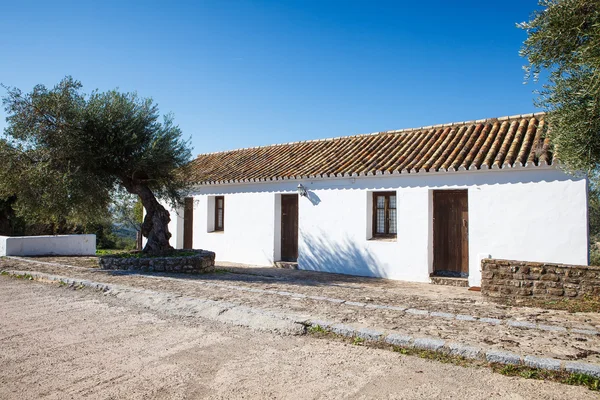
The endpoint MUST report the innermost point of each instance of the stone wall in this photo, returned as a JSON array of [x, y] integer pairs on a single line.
[[202, 261], [526, 280]]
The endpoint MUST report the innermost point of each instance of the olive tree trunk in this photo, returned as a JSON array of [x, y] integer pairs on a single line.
[[156, 222]]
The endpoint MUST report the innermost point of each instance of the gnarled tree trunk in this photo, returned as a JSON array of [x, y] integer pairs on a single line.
[[156, 222]]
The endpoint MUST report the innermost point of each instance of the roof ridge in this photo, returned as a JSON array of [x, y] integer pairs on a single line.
[[478, 121]]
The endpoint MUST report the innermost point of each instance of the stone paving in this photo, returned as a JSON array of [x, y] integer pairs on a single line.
[[448, 313]]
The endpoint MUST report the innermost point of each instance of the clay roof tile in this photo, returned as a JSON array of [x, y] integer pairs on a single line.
[[499, 142]]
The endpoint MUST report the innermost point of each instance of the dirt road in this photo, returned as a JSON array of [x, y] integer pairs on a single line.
[[63, 344], [556, 334]]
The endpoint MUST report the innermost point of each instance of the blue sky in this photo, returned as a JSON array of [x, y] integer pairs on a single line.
[[244, 73]]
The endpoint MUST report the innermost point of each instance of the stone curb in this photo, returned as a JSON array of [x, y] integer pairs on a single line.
[[412, 311], [263, 320], [220, 311], [458, 349]]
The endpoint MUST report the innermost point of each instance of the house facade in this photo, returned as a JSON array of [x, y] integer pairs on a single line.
[[405, 205]]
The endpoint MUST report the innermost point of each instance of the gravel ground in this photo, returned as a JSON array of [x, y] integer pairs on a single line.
[[59, 343], [567, 345]]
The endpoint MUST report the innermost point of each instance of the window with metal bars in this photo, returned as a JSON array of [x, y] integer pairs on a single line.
[[384, 214], [219, 213]]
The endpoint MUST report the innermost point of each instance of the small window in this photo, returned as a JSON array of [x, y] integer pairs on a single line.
[[384, 214], [219, 213]]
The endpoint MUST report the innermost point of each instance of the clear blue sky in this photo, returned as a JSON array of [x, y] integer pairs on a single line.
[[240, 73]]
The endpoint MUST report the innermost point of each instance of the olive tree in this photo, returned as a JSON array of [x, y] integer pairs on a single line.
[[65, 152], [563, 43]]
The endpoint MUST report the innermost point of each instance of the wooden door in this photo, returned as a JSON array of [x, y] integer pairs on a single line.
[[451, 233], [188, 223], [289, 227]]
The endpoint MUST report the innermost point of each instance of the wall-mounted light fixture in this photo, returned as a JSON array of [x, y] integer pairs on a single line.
[[302, 191]]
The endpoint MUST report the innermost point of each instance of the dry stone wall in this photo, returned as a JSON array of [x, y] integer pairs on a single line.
[[522, 280], [202, 261]]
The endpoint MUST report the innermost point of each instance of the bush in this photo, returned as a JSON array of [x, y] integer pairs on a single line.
[[594, 251], [594, 222], [107, 239]]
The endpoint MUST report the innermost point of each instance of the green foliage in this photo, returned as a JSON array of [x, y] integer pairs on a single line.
[[594, 209], [594, 254], [438, 356], [138, 211], [526, 372], [316, 329], [131, 145], [594, 223], [127, 210], [108, 252], [65, 153], [358, 341], [10, 224], [107, 239], [588, 381], [522, 371], [21, 276], [564, 41]]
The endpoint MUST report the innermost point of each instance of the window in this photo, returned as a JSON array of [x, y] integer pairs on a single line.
[[384, 214], [219, 213]]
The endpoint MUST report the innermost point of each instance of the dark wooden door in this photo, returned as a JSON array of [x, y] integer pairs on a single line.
[[451, 233], [289, 227], [188, 223]]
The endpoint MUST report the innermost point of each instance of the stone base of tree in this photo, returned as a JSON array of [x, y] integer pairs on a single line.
[[201, 262]]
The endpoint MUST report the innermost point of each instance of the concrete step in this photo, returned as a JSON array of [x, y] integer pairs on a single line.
[[442, 280], [286, 264]]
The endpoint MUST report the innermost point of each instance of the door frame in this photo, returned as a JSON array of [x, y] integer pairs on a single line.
[[293, 257], [464, 273], [188, 223]]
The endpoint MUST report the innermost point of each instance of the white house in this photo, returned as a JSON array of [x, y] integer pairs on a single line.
[[406, 204]]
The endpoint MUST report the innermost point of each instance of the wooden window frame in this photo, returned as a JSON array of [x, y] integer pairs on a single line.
[[217, 227], [387, 196]]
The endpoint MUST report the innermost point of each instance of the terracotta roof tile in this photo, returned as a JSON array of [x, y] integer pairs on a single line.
[[492, 143]]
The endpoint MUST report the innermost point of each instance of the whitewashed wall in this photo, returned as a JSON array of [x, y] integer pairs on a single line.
[[523, 214], [63, 245]]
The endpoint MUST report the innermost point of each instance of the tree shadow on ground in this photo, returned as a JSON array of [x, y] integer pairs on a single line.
[[265, 275], [323, 262]]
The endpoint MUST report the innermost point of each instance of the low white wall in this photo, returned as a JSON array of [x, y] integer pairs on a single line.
[[522, 214], [3, 245], [61, 245]]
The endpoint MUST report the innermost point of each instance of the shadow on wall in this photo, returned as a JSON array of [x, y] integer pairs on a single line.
[[318, 253], [313, 198]]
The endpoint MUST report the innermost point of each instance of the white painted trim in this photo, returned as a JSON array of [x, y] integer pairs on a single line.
[[395, 173]]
